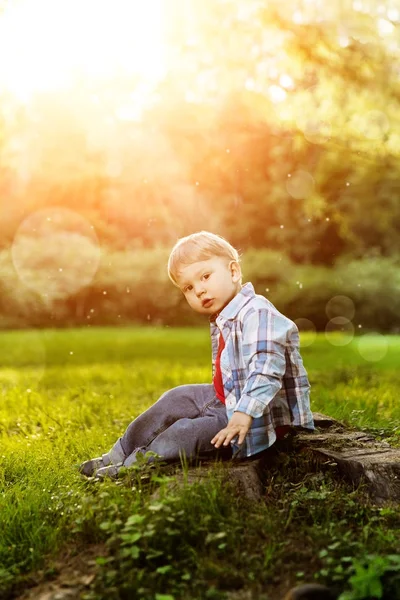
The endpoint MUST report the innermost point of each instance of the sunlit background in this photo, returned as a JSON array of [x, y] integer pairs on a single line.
[[49, 46], [125, 125]]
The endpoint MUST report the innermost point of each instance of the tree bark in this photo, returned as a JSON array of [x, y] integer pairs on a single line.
[[357, 456]]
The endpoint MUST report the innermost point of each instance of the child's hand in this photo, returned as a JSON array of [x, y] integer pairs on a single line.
[[239, 425]]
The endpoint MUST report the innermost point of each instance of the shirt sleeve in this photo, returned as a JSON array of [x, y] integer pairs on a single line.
[[265, 336]]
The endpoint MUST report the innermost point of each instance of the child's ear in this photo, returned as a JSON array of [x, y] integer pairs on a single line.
[[235, 270]]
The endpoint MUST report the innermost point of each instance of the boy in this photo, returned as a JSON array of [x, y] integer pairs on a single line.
[[260, 387]]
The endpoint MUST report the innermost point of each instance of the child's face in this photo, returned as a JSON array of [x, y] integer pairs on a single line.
[[209, 285]]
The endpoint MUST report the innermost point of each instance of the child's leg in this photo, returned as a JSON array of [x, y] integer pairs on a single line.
[[190, 437], [115, 456], [183, 421], [182, 402]]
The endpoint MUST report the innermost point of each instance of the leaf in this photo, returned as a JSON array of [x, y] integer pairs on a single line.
[[376, 589], [212, 537], [135, 551], [156, 507], [334, 545], [134, 519], [102, 560], [130, 538], [164, 569]]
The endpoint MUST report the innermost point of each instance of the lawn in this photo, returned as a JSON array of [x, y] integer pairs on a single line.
[[67, 395]]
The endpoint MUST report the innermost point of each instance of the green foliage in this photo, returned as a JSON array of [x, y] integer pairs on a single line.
[[53, 418], [134, 287], [232, 161], [372, 284], [159, 546], [345, 527], [367, 581], [216, 150]]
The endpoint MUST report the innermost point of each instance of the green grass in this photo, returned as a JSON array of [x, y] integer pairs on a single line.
[[67, 395]]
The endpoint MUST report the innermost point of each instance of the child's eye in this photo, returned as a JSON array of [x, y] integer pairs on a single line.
[[188, 288], [206, 275]]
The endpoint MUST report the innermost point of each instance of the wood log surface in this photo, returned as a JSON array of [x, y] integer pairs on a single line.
[[357, 456]]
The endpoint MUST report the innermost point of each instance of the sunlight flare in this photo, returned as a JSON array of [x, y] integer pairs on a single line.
[[45, 45]]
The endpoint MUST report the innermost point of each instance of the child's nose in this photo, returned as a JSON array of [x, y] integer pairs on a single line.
[[200, 290]]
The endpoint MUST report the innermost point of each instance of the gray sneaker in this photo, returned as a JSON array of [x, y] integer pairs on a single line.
[[109, 471], [115, 457], [90, 466], [112, 470]]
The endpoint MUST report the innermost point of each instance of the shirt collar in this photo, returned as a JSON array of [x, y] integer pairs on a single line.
[[231, 310]]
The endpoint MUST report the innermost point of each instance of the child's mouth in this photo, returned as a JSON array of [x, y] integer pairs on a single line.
[[207, 303]]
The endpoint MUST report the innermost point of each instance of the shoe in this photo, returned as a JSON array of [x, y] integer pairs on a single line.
[[90, 466], [310, 591], [115, 456], [110, 471]]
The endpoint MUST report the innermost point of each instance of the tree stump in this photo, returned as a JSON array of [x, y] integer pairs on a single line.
[[357, 456]]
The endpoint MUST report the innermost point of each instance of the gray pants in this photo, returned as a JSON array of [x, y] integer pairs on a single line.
[[183, 421]]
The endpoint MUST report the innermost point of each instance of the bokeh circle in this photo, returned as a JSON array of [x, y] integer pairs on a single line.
[[317, 131], [340, 306], [56, 252], [339, 331], [300, 184], [373, 347]]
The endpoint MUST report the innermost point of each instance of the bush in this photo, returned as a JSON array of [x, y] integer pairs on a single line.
[[133, 287], [372, 285]]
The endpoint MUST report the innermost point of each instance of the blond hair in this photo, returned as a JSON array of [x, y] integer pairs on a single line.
[[196, 247]]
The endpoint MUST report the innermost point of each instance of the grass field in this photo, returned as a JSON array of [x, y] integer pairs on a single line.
[[67, 395]]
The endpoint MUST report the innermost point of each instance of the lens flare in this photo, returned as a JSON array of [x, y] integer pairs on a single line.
[[339, 331], [55, 253], [340, 306], [373, 348], [45, 45], [300, 184], [317, 131]]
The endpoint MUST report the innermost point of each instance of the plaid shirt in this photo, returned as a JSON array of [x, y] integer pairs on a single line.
[[262, 370]]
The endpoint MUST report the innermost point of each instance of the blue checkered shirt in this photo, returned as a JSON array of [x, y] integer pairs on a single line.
[[261, 367]]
